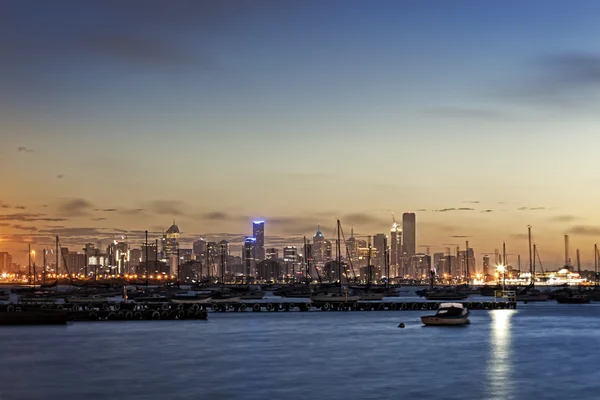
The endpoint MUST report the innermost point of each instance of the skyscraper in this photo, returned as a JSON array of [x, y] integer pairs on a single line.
[[5, 262], [379, 245], [249, 255], [258, 232], [486, 265], [171, 241], [409, 229], [199, 248], [395, 249], [318, 246]]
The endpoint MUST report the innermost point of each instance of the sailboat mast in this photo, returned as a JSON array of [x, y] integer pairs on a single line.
[[305, 272], [339, 253], [29, 260], [534, 264], [468, 273], [57, 259], [369, 263], [386, 263], [530, 252]]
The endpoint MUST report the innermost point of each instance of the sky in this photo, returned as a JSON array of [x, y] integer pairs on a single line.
[[481, 117]]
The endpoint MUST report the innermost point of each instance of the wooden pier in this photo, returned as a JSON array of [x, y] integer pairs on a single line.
[[127, 311]]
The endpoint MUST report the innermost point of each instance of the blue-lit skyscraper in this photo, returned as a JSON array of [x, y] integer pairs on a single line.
[[258, 232], [249, 255]]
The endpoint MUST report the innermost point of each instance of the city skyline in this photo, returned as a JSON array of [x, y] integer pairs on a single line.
[[220, 115]]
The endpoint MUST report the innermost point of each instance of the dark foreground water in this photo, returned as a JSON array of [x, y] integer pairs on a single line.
[[541, 351]]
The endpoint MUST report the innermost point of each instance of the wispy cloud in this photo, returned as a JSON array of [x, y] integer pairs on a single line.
[[27, 217], [75, 207], [564, 218], [173, 208], [455, 209], [531, 208], [23, 149], [584, 230]]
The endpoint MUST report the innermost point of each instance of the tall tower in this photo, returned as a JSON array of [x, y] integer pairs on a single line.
[[249, 256], [379, 245], [258, 232], [318, 247], [409, 228], [395, 248]]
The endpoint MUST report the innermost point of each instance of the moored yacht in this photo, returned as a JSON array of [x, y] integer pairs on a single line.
[[449, 314]]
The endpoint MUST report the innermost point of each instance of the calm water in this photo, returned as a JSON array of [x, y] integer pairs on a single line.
[[547, 351]]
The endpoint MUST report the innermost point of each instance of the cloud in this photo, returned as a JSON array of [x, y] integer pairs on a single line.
[[473, 202], [487, 211], [23, 149], [362, 219], [562, 79], [99, 219], [583, 230], [25, 228], [20, 208], [531, 208], [455, 209], [519, 236], [75, 207], [26, 217], [60, 176], [460, 236], [107, 210], [132, 211], [216, 216], [168, 207], [564, 218]]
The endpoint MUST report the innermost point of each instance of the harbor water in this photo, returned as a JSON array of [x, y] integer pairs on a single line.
[[543, 350]]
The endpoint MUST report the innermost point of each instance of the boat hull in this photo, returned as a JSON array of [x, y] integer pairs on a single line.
[[437, 321], [334, 299]]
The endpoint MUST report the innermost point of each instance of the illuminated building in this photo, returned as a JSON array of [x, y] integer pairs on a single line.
[[134, 259], [171, 241], [486, 265], [5, 262], [439, 263], [327, 251], [395, 249], [290, 254], [76, 263], [200, 249], [379, 244], [351, 247], [462, 262], [318, 245], [249, 255], [272, 254], [258, 232]]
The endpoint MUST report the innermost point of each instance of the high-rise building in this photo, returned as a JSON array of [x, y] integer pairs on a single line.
[[290, 254], [486, 265], [379, 243], [76, 262], [223, 258], [395, 249], [351, 247], [327, 251], [258, 232], [409, 230], [318, 245], [135, 257], [5, 262], [272, 254], [249, 255], [171, 241], [199, 249], [439, 263], [462, 262]]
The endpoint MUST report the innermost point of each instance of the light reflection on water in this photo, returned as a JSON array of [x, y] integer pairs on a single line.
[[544, 351], [499, 362]]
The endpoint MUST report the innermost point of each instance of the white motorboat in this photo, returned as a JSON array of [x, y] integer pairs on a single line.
[[449, 314]]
